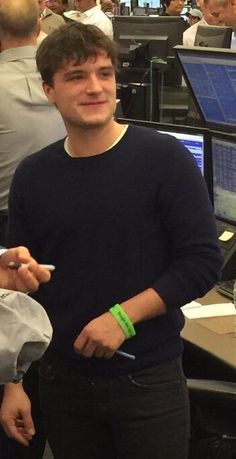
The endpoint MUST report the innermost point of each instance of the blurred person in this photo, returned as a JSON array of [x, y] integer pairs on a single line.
[[58, 6], [228, 12], [27, 121], [49, 20], [124, 230], [108, 7], [88, 12], [211, 15], [172, 7], [194, 16]]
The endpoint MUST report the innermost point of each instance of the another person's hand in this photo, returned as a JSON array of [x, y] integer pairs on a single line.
[[100, 338], [16, 414], [24, 279]]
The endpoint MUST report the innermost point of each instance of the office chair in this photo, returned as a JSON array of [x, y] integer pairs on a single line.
[[213, 426]]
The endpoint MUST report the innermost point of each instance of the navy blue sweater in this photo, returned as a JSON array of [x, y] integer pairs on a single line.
[[134, 217]]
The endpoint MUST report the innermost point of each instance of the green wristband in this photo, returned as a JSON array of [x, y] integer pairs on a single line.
[[123, 320]]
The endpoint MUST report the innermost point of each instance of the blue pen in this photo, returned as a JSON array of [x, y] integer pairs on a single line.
[[125, 354]]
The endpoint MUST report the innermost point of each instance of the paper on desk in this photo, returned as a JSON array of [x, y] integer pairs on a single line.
[[196, 310]]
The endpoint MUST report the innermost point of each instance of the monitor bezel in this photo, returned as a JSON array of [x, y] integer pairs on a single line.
[[179, 128], [228, 136], [217, 51], [214, 28]]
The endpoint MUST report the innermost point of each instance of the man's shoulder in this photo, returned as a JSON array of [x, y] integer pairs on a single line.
[[44, 156], [150, 141]]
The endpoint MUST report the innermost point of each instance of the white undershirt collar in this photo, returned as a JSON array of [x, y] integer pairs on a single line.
[[66, 147]]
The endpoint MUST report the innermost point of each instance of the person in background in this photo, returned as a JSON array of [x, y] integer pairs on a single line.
[[210, 16], [27, 121], [88, 12], [227, 13], [194, 16], [119, 210], [58, 6], [108, 7], [49, 20], [172, 7]]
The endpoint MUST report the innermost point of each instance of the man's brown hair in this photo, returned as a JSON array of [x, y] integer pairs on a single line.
[[74, 42]]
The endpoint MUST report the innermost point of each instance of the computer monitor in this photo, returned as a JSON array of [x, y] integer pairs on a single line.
[[155, 36], [143, 29], [150, 3], [213, 36], [140, 11], [124, 9], [211, 77], [224, 176], [195, 139], [223, 148]]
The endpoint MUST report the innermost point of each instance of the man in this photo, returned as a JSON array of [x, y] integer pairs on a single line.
[[124, 228], [27, 121], [194, 16], [58, 6], [172, 7], [228, 12], [211, 16], [49, 20], [88, 12]]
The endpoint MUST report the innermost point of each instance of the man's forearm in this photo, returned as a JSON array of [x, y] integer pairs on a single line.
[[144, 306]]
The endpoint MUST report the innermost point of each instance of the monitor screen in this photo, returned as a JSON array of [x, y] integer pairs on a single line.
[[213, 36], [211, 76], [195, 139], [224, 176], [150, 3]]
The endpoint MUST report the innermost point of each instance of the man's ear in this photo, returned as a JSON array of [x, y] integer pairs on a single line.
[[49, 92]]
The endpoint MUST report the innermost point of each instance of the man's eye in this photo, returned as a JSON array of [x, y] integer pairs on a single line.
[[107, 74]]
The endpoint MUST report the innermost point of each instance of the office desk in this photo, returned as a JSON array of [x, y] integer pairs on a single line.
[[219, 346]]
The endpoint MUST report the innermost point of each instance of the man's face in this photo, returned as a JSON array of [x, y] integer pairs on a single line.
[[57, 6], [43, 4], [82, 5], [85, 94], [175, 7], [228, 14], [212, 12], [192, 20]]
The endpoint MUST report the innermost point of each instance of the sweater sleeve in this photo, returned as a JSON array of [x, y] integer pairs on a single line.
[[189, 222]]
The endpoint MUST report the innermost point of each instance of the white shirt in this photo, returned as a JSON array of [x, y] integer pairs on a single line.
[[94, 16], [190, 34]]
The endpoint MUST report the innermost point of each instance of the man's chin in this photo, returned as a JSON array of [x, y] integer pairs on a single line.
[[92, 123]]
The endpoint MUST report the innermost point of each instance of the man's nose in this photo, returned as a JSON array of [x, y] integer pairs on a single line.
[[93, 84]]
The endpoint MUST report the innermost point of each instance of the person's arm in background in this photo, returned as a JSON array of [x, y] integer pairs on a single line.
[[16, 407], [15, 414], [24, 279]]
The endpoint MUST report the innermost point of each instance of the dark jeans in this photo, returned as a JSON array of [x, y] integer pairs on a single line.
[[140, 416]]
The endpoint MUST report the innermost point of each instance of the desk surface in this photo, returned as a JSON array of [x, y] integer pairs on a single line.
[[221, 346]]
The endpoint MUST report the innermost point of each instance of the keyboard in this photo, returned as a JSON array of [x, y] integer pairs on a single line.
[[226, 287]]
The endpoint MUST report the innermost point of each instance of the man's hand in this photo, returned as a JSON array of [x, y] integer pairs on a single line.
[[100, 338], [24, 279], [16, 414]]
